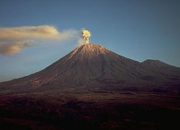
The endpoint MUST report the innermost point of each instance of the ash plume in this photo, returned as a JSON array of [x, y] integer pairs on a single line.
[[14, 39]]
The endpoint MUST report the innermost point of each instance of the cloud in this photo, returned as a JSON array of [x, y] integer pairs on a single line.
[[13, 40]]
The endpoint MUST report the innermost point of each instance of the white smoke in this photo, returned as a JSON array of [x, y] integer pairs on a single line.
[[85, 38]]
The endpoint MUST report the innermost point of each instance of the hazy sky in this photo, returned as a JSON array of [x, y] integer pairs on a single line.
[[137, 29]]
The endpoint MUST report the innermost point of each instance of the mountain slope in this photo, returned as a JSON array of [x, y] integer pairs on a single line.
[[94, 67]]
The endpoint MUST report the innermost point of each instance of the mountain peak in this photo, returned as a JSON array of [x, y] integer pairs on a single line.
[[156, 63], [92, 48], [89, 50]]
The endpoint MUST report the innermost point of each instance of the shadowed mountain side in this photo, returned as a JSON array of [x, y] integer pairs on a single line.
[[93, 67]]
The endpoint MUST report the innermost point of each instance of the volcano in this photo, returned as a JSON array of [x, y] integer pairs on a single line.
[[93, 67], [93, 88]]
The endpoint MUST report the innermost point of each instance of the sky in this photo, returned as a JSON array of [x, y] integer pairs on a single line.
[[36, 33]]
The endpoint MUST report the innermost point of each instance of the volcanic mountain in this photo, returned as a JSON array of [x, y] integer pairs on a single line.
[[93, 67]]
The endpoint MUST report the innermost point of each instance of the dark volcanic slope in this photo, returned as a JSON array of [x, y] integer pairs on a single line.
[[94, 67]]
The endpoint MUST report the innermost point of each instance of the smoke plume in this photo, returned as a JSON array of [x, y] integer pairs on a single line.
[[85, 38], [14, 40], [12, 49]]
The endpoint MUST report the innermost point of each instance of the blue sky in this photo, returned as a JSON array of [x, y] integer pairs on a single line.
[[137, 29]]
